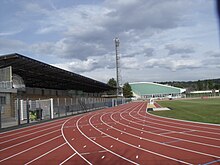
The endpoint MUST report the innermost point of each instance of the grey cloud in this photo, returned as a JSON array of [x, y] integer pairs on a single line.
[[173, 64], [174, 49], [89, 30]]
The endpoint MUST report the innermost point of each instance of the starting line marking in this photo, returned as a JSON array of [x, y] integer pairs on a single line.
[[88, 153]]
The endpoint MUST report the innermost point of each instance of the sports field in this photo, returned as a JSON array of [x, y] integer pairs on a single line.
[[200, 110], [124, 134]]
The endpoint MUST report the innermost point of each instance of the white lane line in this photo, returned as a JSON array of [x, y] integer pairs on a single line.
[[88, 153], [71, 145], [186, 122], [29, 134], [102, 146], [197, 152], [154, 153], [28, 140], [141, 148], [168, 131], [173, 123], [67, 159], [29, 148], [40, 125], [171, 130], [45, 154]]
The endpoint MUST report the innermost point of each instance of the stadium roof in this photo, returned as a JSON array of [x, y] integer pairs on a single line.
[[42, 75], [147, 88]]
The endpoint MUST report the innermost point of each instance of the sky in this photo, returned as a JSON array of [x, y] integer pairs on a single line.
[[160, 40]]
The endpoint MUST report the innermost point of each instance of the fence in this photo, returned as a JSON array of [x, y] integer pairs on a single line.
[[30, 111]]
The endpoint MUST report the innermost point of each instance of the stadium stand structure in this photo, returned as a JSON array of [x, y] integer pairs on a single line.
[[30, 85], [147, 90]]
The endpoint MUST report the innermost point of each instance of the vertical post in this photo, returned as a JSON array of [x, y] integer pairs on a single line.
[[0, 115], [22, 109], [19, 111], [51, 108], [117, 64], [58, 106], [28, 107], [65, 106]]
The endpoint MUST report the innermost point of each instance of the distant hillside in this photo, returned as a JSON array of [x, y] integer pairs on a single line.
[[195, 85]]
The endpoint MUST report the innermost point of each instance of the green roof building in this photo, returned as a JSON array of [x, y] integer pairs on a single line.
[[146, 90]]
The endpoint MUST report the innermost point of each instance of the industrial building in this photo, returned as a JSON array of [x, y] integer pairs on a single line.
[[146, 90]]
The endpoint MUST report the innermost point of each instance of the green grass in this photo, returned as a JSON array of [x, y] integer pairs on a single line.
[[200, 110]]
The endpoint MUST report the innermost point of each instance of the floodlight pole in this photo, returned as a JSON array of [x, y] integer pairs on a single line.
[[117, 42]]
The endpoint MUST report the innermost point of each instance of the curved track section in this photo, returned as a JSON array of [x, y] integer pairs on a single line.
[[121, 135]]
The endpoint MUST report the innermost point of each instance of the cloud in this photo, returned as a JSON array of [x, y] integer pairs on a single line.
[[175, 49], [9, 33], [88, 65], [12, 45], [166, 36], [88, 30], [173, 64]]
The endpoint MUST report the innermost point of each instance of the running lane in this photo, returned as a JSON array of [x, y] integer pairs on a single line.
[[125, 134]]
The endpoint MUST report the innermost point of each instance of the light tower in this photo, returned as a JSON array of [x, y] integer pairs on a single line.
[[117, 42]]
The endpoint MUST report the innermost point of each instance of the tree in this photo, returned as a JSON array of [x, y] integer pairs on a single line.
[[127, 91], [210, 84], [112, 82], [199, 85]]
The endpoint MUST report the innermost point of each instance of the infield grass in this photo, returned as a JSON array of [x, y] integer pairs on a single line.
[[200, 110]]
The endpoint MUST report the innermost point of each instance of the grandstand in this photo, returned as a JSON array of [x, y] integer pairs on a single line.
[[27, 84], [146, 90]]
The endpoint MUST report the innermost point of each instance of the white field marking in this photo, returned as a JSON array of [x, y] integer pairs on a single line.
[[162, 134], [102, 151], [71, 145], [45, 154], [111, 146], [197, 152], [154, 153], [41, 125], [27, 140], [172, 137], [103, 146], [84, 146], [2, 136], [72, 139], [103, 157], [28, 134], [177, 127], [183, 124], [67, 159], [136, 156], [29, 148], [208, 124]]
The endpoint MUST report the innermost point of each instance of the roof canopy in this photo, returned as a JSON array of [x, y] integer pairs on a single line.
[[42, 75], [146, 88]]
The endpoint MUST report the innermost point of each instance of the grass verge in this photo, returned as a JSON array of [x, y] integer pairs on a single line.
[[200, 110]]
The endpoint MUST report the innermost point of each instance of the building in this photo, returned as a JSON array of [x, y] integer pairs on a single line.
[[146, 90], [23, 78]]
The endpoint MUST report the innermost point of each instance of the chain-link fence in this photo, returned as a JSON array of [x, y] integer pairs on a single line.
[[29, 111]]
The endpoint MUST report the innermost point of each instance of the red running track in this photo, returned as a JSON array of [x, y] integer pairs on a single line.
[[121, 135]]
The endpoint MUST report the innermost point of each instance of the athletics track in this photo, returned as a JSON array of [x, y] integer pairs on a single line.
[[125, 134]]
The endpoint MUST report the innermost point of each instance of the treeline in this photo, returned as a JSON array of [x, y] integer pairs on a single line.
[[199, 85]]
